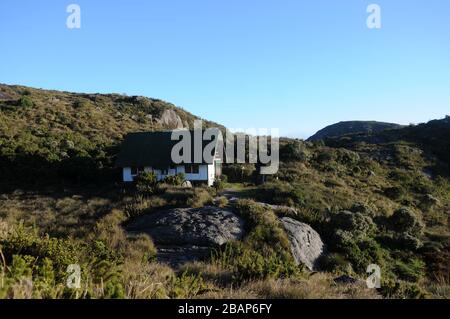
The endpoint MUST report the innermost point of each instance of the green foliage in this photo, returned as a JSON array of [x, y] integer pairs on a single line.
[[186, 286], [250, 264], [81, 103], [222, 201], [279, 193], [146, 182], [218, 184], [351, 235], [264, 253], [360, 253], [394, 192], [239, 173], [412, 270], [335, 263], [405, 221], [175, 180], [43, 261], [294, 151], [60, 251], [26, 102], [402, 290], [356, 224]]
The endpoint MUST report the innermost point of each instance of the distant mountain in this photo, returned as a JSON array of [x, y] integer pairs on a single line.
[[432, 137], [351, 127]]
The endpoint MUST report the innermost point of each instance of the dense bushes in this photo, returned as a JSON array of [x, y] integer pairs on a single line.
[[238, 173], [405, 221], [351, 234], [407, 228], [279, 193], [146, 182], [294, 151], [175, 180], [165, 196], [26, 102], [358, 226]]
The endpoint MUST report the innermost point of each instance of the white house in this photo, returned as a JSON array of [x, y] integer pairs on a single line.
[[151, 152]]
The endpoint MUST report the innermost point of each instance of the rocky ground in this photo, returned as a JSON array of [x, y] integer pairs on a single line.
[[188, 234]]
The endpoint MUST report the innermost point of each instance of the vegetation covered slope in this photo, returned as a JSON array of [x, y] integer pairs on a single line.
[[374, 198], [52, 135], [350, 127]]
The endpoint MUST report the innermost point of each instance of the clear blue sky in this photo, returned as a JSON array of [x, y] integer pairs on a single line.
[[289, 64]]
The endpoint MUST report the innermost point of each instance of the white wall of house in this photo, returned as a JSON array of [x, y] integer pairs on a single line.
[[204, 173], [201, 176]]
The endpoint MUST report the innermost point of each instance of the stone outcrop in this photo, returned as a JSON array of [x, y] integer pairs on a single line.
[[170, 119], [306, 245]]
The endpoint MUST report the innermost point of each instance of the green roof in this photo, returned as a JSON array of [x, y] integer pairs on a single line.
[[151, 149]]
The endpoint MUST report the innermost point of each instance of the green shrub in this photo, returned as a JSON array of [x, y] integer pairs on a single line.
[[26, 102], [335, 263], [186, 286], [81, 104], [359, 253], [199, 198], [395, 289], [394, 193], [294, 151], [357, 224], [146, 182], [246, 263], [218, 185], [222, 201], [407, 241], [265, 251], [175, 180], [405, 221], [238, 173], [24, 242], [412, 270], [363, 209], [279, 193]]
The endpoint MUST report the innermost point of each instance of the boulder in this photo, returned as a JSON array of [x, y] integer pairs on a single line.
[[205, 227], [186, 184], [170, 119], [4, 96], [306, 245]]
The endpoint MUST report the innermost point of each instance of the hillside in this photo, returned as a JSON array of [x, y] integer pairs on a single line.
[[368, 198], [351, 127], [431, 138], [71, 136]]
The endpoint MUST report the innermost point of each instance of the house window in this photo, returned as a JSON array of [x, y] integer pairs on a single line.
[[192, 169]]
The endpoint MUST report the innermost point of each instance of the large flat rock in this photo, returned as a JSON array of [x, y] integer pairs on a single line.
[[206, 227]]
